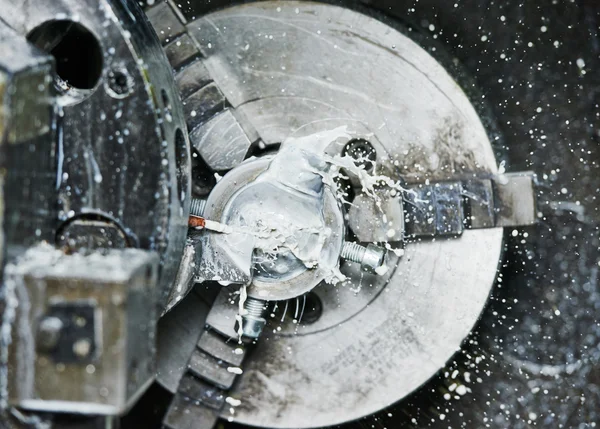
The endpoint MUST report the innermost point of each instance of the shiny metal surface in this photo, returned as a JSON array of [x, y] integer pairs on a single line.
[[293, 69]]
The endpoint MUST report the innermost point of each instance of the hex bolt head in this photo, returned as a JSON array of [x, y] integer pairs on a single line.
[[373, 258], [253, 327]]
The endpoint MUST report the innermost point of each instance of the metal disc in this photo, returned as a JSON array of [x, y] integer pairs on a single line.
[[295, 68], [224, 204]]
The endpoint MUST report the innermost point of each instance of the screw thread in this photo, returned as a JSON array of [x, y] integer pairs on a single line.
[[197, 206], [255, 307], [353, 252]]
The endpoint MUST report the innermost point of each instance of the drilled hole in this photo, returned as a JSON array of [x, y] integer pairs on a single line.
[[313, 308], [120, 83], [76, 50], [363, 152]]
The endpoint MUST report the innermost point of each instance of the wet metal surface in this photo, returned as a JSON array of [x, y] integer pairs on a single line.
[[527, 365]]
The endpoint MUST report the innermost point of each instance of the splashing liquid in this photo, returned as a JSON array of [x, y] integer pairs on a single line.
[[303, 168]]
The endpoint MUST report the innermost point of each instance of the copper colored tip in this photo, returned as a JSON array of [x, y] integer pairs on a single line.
[[196, 222]]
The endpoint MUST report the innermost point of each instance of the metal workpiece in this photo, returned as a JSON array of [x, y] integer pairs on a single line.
[[85, 341], [121, 150], [370, 257]]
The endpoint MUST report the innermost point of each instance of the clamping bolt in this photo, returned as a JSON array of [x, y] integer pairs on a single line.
[[253, 319], [370, 257], [197, 207]]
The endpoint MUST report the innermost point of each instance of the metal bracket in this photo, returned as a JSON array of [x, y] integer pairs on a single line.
[[85, 340]]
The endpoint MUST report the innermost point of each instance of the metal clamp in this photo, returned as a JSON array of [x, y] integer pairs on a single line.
[[446, 209]]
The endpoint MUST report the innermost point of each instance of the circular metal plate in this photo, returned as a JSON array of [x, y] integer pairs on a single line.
[[228, 202], [294, 68]]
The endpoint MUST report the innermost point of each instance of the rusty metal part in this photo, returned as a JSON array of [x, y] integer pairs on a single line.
[[196, 222]]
